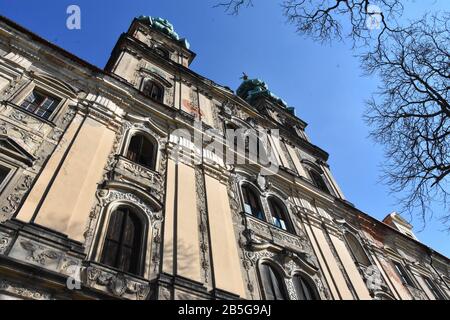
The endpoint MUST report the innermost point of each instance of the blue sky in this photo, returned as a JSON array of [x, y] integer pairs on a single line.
[[323, 82]]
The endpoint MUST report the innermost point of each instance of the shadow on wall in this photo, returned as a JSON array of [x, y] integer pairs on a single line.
[[185, 258]]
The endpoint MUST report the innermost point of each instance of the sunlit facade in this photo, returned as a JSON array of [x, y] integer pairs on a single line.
[[97, 203]]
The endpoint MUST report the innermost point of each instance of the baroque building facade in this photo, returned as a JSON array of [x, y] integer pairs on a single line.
[[97, 203]]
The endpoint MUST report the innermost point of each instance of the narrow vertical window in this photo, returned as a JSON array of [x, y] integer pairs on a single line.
[[142, 151], [252, 203], [272, 283], [123, 247], [41, 104], [404, 277], [304, 289], [280, 215], [318, 181], [436, 292], [357, 251]]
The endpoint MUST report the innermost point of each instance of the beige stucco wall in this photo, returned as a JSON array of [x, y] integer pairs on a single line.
[[206, 109], [126, 66], [332, 264], [169, 219], [322, 264], [69, 200], [37, 192], [227, 270], [350, 268], [187, 237]]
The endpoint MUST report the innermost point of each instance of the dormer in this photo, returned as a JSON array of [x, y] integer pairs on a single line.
[[399, 223]]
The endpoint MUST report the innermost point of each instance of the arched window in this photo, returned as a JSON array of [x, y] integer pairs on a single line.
[[142, 151], [357, 251], [318, 180], [272, 283], [304, 289], [153, 90], [124, 243], [252, 203], [280, 215]]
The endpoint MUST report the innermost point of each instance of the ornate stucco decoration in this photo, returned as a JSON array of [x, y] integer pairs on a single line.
[[5, 241], [14, 199], [291, 264], [116, 283], [23, 291]]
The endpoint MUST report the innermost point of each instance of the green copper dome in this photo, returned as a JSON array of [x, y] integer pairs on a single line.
[[165, 27], [250, 89]]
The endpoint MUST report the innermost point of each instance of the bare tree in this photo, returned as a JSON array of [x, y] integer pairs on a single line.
[[410, 114], [324, 20]]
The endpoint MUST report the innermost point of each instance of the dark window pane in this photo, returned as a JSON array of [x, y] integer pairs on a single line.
[[318, 181], [123, 244], [142, 151], [403, 275], [304, 289], [40, 104], [357, 250], [3, 174], [110, 253], [252, 204], [272, 284], [153, 91], [280, 215]]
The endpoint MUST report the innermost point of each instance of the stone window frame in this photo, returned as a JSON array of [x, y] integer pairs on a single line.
[[310, 281], [277, 268], [147, 74], [355, 234], [258, 194], [309, 165], [46, 85], [102, 231], [152, 137], [286, 276], [15, 163], [264, 197], [408, 273], [142, 246], [290, 228]]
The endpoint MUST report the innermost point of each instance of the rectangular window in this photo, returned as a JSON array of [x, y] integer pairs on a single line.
[[403, 275], [437, 294], [41, 104]]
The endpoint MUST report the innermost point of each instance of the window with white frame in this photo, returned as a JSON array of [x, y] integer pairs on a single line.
[[40, 103]]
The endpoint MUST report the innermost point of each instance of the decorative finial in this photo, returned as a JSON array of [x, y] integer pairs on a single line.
[[244, 76]]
